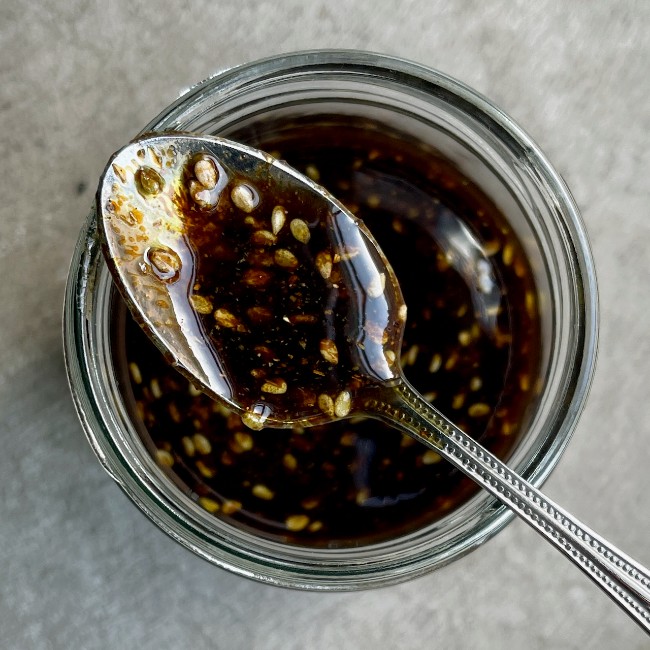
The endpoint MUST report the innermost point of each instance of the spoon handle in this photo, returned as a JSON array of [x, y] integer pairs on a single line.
[[623, 579]]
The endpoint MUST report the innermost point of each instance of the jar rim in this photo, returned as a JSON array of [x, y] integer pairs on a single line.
[[87, 259]]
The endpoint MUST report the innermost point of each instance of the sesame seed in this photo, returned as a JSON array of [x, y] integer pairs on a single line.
[[342, 404], [326, 404], [300, 230], [206, 471], [263, 238], [202, 444], [225, 318], [296, 523], [164, 458], [136, 375], [435, 363], [244, 440], [230, 507], [508, 254], [275, 386], [478, 410], [154, 384], [206, 173], [329, 351], [262, 492], [430, 457], [278, 218], [201, 304], [285, 258], [244, 197], [208, 504], [289, 461], [188, 446]]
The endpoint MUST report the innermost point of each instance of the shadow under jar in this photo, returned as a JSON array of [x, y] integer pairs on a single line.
[[494, 266]]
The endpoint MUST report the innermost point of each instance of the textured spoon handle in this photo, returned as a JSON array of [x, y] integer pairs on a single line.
[[623, 579]]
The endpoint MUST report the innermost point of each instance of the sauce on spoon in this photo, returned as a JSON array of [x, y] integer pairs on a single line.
[[257, 284]]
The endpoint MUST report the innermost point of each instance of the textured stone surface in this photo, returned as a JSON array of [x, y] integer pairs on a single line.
[[79, 566]]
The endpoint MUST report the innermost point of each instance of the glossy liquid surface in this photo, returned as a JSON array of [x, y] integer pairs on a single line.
[[470, 346]]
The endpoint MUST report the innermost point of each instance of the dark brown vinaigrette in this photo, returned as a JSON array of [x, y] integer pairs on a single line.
[[471, 346]]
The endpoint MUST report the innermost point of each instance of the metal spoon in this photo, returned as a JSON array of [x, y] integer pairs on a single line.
[[299, 316]]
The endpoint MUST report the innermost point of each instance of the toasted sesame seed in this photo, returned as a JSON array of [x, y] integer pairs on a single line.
[[326, 404], [451, 361], [410, 356], [373, 201], [491, 247], [300, 230], [507, 428], [201, 304], [208, 504], [524, 382], [390, 357], [188, 446], [530, 304], [225, 318], [312, 172], [253, 421], [296, 523], [230, 507], [200, 194], [154, 384], [206, 471], [244, 440], [244, 197], [329, 351], [475, 383], [262, 492], [257, 278], [263, 238], [458, 401], [259, 314], [174, 413], [202, 444], [348, 439], [136, 375], [362, 496], [285, 258], [402, 311], [430, 457], [278, 218], [342, 404], [274, 386], [464, 337], [435, 363], [478, 410], [508, 254], [315, 526], [164, 458], [206, 173], [289, 461]]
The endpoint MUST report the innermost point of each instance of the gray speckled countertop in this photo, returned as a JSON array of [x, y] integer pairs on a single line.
[[80, 567]]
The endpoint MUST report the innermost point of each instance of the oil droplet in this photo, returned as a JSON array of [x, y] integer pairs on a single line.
[[164, 263], [148, 181]]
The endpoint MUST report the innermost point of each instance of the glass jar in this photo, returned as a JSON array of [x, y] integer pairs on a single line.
[[489, 148]]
